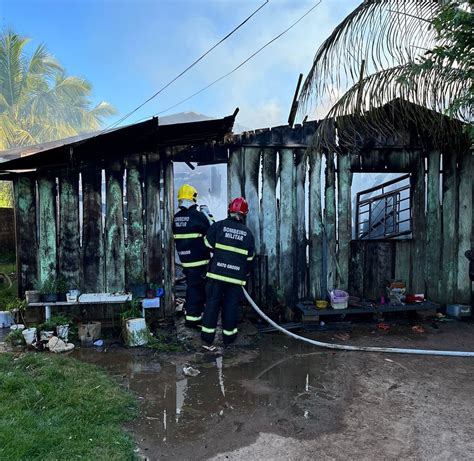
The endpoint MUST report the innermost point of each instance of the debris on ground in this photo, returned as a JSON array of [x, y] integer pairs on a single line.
[[58, 345], [342, 336], [417, 329], [190, 371], [383, 326]]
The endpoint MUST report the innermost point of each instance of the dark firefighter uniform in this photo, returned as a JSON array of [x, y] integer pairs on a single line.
[[189, 229], [233, 247]]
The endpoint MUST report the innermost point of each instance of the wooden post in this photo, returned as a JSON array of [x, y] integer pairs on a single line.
[[301, 266], [69, 248], [93, 238], [114, 233], [417, 198], [466, 168], [270, 228], [24, 188], [330, 220], [47, 251], [134, 265], [154, 254], [168, 243], [433, 229], [252, 172], [287, 215], [315, 226], [344, 176], [450, 228]]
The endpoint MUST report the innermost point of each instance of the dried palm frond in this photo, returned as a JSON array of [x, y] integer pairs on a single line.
[[381, 33], [367, 107]]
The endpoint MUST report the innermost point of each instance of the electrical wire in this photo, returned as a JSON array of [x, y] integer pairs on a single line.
[[243, 62], [223, 39]]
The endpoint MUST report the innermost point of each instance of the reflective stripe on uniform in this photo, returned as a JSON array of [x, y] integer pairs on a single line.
[[250, 258], [223, 278], [206, 242], [196, 263], [230, 332], [208, 330], [241, 251], [190, 318], [187, 236]]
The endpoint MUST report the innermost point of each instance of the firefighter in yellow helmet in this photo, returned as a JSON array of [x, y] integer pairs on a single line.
[[190, 225]]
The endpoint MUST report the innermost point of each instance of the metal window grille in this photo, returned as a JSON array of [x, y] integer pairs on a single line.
[[384, 211]]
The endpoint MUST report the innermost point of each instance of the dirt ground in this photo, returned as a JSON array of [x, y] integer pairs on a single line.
[[282, 399]]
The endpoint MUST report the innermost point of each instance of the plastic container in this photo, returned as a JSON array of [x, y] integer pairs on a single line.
[[63, 332], [321, 304], [30, 335], [32, 296], [339, 299], [458, 310], [137, 332], [6, 319]]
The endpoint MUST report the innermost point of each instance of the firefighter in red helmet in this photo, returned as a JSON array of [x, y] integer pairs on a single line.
[[233, 247]]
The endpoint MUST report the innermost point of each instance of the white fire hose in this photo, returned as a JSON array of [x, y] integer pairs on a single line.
[[342, 347]]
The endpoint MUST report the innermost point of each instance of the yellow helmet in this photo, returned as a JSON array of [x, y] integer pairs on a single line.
[[187, 192]]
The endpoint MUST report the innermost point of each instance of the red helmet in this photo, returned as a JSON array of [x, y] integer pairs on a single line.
[[239, 205]]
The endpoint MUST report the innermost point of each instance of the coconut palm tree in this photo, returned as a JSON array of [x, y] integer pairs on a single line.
[[38, 101], [389, 49]]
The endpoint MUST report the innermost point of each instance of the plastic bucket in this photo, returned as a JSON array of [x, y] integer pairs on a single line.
[[339, 299], [321, 304], [6, 319], [137, 332], [30, 335]]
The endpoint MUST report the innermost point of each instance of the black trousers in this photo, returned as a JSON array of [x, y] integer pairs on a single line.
[[195, 294], [229, 297]]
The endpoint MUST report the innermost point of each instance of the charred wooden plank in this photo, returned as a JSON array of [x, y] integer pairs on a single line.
[[235, 174], [114, 231], [134, 263], [270, 228], [69, 246], [344, 183], [168, 243], [417, 198], [251, 180], [47, 250], [93, 238], [301, 266], [450, 229], [402, 262], [433, 229], [356, 268], [24, 188], [379, 268], [315, 227], [287, 214], [466, 169], [154, 254], [330, 220]]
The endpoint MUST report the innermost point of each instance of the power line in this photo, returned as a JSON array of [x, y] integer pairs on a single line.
[[243, 62], [187, 68]]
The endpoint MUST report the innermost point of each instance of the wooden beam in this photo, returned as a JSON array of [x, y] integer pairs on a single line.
[[47, 251], [315, 227], [134, 257], [235, 174], [93, 238], [24, 188], [114, 231], [70, 264], [402, 262], [433, 242], [466, 169], [344, 183], [168, 243]]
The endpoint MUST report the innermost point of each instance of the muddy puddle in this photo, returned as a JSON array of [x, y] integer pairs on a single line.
[[283, 382]]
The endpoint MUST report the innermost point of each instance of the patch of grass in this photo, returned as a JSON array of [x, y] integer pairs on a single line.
[[163, 342], [59, 408]]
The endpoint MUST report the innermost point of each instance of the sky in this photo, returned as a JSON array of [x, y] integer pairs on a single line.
[[128, 49]]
